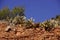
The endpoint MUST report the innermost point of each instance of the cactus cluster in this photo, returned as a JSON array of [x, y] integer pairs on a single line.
[[52, 23]]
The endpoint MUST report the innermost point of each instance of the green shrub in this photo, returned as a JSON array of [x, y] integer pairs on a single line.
[[4, 13], [58, 18], [18, 11]]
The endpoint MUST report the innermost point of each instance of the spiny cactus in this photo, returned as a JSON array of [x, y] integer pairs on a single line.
[[47, 25], [29, 23]]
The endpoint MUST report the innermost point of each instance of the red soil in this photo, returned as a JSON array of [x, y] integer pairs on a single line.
[[28, 34]]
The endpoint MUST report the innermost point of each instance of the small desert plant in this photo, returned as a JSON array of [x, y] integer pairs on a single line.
[[30, 23], [58, 17], [52, 23], [47, 25], [19, 20]]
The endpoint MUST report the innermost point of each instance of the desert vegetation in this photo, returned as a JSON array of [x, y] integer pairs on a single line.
[[17, 16], [14, 25]]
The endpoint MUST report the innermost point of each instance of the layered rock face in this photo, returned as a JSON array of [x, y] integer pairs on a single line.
[[21, 33]]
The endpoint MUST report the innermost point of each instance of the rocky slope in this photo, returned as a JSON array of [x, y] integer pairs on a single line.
[[21, 33]]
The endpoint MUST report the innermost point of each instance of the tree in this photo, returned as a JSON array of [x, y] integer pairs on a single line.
[[4, 13], [18, 11]]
